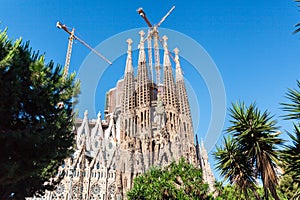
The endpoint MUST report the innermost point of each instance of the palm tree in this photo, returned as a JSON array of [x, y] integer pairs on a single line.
[[297, 25], [235, 167], [257, 139], [291, 153], [293, 108]]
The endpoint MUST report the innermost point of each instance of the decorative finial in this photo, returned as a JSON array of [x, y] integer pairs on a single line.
[[129, 42], [99, 115], [86, 113], [128, 67], [165, 38], [142, 33], [179, 74], [141, 45], [176, 51]]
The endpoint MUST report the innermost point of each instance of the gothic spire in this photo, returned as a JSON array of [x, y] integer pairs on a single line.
[[166, 52], [142, 55], [183, 102], [129, 67], [97, 130], [184, 106], [143, 97], [83, 132], [156, 55], [169, 90], [179, 75], [128, 101]]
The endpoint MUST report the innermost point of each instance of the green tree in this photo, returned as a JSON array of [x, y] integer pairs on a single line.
[[176, 181], [234, 166], [218, 188], [291, 153], [232, 192], [257, 140], [297, 26], [292, 108], [288, 187], [229, 192], [35, 134]]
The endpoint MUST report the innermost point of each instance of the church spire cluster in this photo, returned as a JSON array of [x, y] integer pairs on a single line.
[[145, 124], [158, 127]]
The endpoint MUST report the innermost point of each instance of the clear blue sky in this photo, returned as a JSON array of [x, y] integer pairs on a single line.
[[251, 42]]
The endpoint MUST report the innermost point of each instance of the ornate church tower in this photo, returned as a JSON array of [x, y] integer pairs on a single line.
[[169, 94], [185, 119], [145, 124], [143, 91], [128, 125], [128, 100]]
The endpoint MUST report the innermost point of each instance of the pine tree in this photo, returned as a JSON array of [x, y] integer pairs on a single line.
[[35, 133]]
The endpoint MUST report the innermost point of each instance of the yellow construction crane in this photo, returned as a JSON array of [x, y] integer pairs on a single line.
[[70, 44], [69, 52], [153, 33]]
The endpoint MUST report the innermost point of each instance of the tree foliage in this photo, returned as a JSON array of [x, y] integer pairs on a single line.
[[252, 152], [291, 153], [293, 107], [234, 166], [35, 133], [297, 26], [289, 188], [176, 181], [232, 192]]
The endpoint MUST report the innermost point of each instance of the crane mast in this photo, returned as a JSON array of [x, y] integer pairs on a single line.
[[73, 37], [153, 33], [156, 55], [69, 52], [149, 39]]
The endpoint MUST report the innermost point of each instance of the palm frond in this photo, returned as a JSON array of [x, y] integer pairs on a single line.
[[234, 166], [293, 108], [291, 155]]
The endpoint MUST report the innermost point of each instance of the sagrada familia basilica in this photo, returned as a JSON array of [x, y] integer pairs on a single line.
[[146, 124]]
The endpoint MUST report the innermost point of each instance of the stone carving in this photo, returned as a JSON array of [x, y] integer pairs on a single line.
[[159, 114]]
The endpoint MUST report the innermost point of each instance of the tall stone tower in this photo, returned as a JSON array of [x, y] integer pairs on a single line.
[[145, 124], [156, 125]]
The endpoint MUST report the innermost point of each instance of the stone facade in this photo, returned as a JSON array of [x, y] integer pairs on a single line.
[[145, 124]]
